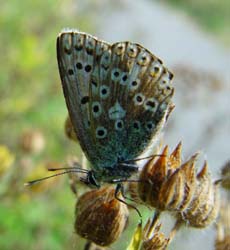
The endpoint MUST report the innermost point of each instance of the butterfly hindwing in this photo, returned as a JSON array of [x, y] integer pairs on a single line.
[[117, 95]]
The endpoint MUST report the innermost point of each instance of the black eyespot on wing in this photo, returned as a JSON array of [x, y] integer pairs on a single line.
[[78, 48], [85, 99], [151, 104], [136, 125], [156, 69], [139, 98], [100, 132], [70, 72], [94, 83], [116, 73], [89, 52], [170, 75], [88, 68], [78, 65], [104, 91], [68, 51], [124, 78], [134, 83], [95, 108]]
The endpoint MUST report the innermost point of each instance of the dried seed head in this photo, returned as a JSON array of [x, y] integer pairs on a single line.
[[69, 130], [32, 141], [223, 225], [204, 206], [165, 183], [225, 174], [100, 217], [177, 191], [152, 177], [153, 238], [175, 157]]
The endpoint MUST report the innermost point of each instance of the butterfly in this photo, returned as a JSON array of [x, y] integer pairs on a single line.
[[118, 97]]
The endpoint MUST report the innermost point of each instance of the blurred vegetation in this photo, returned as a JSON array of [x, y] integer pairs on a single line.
[[31, 100], [212, 15]]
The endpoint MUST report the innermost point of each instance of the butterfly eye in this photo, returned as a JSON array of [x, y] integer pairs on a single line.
[[139, 99], [119, 125], [101, 132]]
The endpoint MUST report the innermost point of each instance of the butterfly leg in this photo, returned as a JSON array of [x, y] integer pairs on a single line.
[[120, 189]]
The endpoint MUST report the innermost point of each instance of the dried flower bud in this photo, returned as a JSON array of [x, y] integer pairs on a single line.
[[166, 184], [153, 238], [32, 141], [152, 176], [100, 217], [223, 226], [204, 206], [177, 191], [69, 130]]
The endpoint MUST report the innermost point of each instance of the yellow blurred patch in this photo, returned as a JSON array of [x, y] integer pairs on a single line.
[[40, 171], [136, 239], [6, 159]]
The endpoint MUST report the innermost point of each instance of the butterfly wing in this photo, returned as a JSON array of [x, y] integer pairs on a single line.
[[118, 96]]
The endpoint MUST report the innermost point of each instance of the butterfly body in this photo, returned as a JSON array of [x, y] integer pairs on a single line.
[[118, 97]]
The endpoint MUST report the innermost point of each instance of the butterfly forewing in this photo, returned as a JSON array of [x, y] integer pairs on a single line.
[[117, 96]]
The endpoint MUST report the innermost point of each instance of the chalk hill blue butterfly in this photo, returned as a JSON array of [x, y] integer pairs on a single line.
[[118, 97]]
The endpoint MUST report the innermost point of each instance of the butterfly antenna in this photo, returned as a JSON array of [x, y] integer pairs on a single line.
[[81, 170], [74, 170]]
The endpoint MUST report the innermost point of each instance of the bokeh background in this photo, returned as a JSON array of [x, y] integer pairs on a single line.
[[191, 37]]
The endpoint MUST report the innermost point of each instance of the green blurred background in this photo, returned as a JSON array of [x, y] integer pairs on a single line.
[[33, 111]]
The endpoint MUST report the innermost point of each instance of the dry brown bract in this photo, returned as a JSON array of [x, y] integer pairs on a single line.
[[100, 217]]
